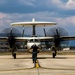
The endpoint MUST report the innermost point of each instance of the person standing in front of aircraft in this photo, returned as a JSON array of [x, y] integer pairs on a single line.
[[34, 53]]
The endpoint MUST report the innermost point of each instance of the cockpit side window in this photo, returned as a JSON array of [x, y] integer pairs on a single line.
[[31, 40], [36, 40]]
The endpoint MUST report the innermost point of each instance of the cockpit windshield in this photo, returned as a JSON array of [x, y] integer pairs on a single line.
[[34, 40]]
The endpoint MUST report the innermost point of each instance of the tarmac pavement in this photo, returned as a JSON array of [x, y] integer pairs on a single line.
[[23, 65]]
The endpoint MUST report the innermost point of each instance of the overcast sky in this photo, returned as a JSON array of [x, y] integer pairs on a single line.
[[60, 11]]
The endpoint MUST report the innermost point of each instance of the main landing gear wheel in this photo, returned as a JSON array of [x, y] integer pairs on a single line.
[[54, 54], [14, 55]]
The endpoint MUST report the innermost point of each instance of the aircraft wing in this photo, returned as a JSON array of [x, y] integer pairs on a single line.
[[66, 38], [63, 38], [42, 39], [3, 39], [28, 38], [22, 39]]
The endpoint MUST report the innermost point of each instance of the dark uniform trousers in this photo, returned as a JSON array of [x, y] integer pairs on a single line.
[[34, 56]]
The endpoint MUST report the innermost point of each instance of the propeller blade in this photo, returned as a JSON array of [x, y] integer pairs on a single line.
[[11, 33], [57, 33]]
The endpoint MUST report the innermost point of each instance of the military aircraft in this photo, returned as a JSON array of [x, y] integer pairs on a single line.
[[56, 36]]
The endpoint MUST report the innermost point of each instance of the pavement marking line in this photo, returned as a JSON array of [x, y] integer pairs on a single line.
[[37, 66], [38, 71], [17, 69], [57, 68]]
